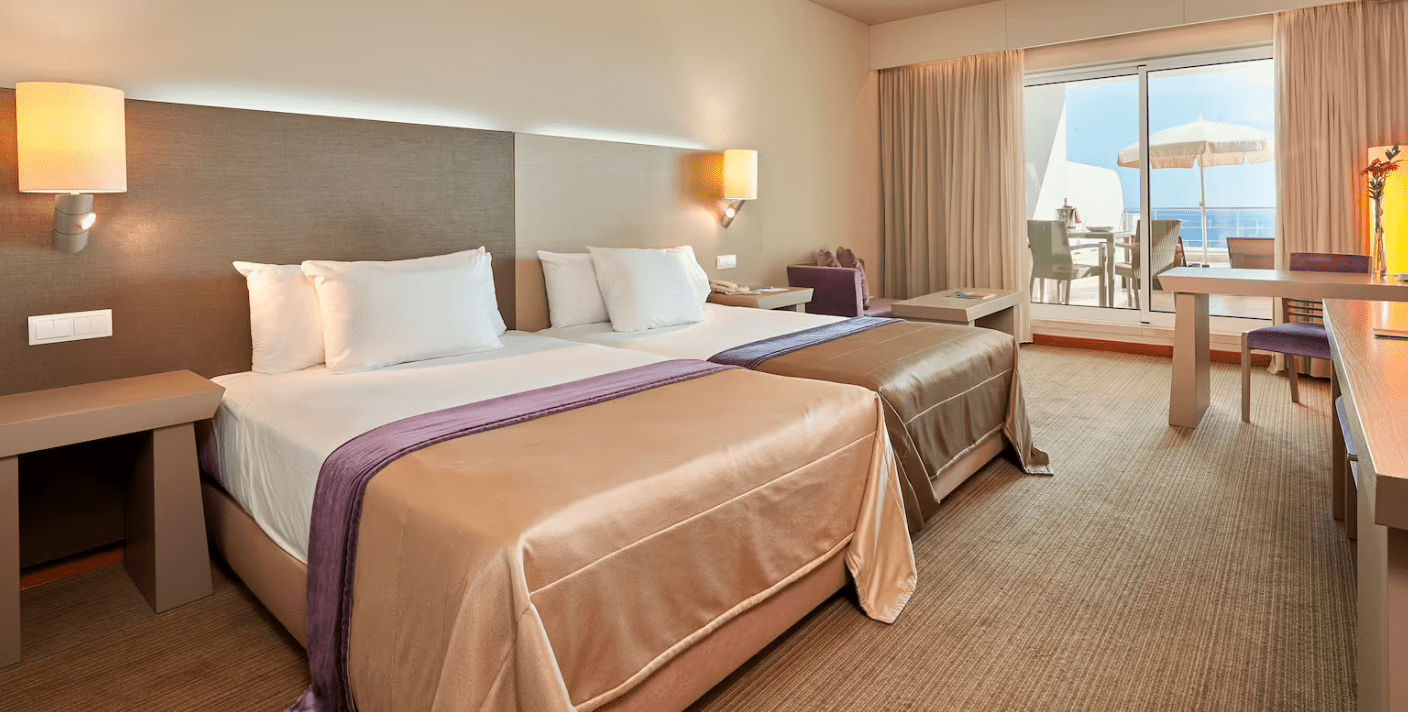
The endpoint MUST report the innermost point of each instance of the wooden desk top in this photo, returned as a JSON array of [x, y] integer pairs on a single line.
[[39, 420], [791, 296], [1373, 375], [1282, 283]]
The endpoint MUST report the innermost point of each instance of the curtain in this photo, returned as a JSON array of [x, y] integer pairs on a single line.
[[1341, 73], [952, 178]]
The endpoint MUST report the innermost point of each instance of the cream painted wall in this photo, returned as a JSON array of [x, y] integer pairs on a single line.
[[1023, 24], [786, 77]]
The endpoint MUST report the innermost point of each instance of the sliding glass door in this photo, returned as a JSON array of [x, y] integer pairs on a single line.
[[1135, 169], [1082, 207], [1213, 183]]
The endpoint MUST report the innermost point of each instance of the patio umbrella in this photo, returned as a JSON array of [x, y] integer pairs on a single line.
[[1203, 143]]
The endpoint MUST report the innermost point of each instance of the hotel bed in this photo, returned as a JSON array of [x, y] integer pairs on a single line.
[[952, 397], [623, 542]]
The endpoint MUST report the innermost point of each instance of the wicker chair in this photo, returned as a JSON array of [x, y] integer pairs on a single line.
[[1302, 334], [1167, 246], [1052, 258]]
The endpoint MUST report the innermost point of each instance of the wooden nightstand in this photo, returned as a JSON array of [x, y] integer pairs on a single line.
[[792, 298], [166, 552]]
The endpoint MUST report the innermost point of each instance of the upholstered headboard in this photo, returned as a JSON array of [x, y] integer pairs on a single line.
[[578, 192], [207, 186]]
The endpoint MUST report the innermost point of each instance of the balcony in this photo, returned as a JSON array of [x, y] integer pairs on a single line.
[[1222, 224]]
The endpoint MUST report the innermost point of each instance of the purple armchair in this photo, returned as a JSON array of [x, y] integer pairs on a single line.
[[835, 291]]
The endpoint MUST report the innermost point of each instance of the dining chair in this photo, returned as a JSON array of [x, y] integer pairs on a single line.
[[1297, 336], [1053, 258], [1251, 252], [1166, 244]]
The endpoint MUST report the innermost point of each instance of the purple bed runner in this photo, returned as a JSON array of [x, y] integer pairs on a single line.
[[753, 355], [343, 480]]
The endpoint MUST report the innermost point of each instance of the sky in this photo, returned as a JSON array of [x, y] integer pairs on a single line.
[[1102, 117]]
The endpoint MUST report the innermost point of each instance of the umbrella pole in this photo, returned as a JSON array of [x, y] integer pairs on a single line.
[[1203, 207]]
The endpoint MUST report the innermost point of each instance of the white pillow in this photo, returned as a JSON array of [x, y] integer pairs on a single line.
[[284, 322], [697, 276], [573, 295], [646, 289], [383, 313], [490, 297]]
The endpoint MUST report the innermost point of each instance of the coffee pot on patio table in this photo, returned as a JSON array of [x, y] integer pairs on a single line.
[[1067, 214]]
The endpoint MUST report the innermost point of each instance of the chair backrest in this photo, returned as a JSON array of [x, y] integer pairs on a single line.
[[1050, 244], [1324, 262], [1251, 252], [1165, 238], [1300, 310]]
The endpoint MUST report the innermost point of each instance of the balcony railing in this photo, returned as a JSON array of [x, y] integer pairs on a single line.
[[1222, 224]]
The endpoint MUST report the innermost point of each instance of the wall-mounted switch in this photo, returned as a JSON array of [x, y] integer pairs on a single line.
[[726, 261], [53, 328]]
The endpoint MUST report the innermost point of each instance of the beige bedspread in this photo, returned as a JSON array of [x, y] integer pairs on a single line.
[[945, 388], [554, 564]]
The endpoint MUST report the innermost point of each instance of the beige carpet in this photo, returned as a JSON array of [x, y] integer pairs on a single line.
[[1161, 569]]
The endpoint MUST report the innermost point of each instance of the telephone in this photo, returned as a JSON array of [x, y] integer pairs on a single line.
[[723, 287]]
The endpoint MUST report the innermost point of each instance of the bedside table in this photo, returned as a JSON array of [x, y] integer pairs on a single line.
[[791, 298], [166, 553]]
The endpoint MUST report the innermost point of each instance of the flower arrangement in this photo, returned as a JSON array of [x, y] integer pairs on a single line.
[[1378, 172]]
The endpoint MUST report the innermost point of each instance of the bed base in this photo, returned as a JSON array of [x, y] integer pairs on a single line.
[[280, 582]]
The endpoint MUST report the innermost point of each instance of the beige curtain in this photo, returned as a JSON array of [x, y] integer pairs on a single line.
[[952, 179], [1342, 88]]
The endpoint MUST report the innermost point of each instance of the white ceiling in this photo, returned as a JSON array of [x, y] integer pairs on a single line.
[[873, 12]]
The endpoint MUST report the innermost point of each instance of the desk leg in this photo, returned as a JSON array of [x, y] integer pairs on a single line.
[[1339, 458], [166, 550], [1190, 391], [1396, 620], [9, 561]]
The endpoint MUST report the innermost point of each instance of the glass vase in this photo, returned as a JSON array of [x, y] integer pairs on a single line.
[[1379, 263]]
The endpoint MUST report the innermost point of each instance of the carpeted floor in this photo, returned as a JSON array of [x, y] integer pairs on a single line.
[[1161, 569]]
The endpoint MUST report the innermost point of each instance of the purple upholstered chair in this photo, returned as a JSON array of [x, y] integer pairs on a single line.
[[835, 291], [1297, 336]]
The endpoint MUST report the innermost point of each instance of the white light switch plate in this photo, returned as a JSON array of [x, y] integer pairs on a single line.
[[726, 261], [54, 328]]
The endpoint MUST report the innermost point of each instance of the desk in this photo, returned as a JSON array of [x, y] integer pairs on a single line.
[[1372, 374], [1189, 393]]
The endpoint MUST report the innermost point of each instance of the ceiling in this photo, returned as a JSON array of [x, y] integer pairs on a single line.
[[873, 12]]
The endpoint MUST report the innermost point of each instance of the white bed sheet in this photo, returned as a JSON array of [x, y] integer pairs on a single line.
[[273, 432], [723, 328]]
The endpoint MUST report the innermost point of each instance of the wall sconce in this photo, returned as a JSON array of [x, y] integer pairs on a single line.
[[72, 141], [740, 181]]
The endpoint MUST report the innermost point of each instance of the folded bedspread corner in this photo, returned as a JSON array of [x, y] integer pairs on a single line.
[[516, 601], [945, 389], [885, 575]]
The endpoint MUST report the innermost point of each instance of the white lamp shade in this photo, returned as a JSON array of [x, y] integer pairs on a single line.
[[740, 175], [72, 138]]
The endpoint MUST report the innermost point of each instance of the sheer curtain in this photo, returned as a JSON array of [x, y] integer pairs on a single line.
[[1341, 73], [952, 178]]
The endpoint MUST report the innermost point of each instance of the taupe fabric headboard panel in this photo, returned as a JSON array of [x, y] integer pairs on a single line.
[[207, 186], [577, 192]]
